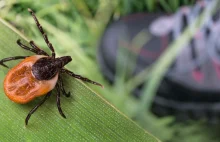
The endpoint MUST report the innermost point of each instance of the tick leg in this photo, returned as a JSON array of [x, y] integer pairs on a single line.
[[80, 77], [35, 49], [58, 101], [60, 81], [40, 51], [43, 33], [36, 107], [11, 58], [26, 47]]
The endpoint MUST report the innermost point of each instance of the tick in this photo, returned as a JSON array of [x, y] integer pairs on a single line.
[[37, 75]]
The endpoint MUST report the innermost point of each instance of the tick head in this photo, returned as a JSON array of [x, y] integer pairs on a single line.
[[63, 60]]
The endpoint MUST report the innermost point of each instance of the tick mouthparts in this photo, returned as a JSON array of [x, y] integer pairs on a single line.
[[65, 60]]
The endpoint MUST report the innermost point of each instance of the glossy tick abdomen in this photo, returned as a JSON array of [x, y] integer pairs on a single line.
[[21, 86]]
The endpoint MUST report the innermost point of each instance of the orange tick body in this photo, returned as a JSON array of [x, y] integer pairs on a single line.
[[37, 75], [20, 84]]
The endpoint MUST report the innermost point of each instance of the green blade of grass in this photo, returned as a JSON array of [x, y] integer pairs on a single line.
[[150, 4], [174, 4], [89, 116], [165, 6]]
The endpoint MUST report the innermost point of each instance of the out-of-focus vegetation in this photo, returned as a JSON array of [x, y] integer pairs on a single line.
[[75, 27]]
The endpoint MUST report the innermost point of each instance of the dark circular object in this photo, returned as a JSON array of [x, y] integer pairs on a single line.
[[191, 86]]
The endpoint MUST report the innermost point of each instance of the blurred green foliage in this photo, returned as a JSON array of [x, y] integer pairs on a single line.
[[75, 27]]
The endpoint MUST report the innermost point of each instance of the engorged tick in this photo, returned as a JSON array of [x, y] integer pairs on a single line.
[[37, 75]]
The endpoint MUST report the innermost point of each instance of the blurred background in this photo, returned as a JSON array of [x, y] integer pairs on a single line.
[[158, 59]]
